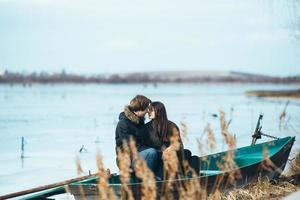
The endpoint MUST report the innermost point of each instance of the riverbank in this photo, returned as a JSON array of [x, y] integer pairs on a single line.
[[275, 93], [287, 186]]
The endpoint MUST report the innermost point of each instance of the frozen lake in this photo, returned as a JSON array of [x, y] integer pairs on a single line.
[[56, 120]]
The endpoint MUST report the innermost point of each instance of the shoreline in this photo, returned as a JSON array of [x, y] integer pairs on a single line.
[[274, 93], [145, 78], [249, 93]]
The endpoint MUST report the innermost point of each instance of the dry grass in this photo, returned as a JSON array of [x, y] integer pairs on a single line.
[[262, 189], [201, 147], [228, 163], [193, 188], [295, 165], [229, 139], [124, 162], [78, 166], [211, 140], [189, 190], [105, 192], [184, 130], [148, 186], [282, 116], [79, 171]]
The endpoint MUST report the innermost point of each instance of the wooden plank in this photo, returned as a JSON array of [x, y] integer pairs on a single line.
[[45, 187]]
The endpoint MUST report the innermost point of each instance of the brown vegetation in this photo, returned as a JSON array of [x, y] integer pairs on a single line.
[[275, 94], [193, 188]]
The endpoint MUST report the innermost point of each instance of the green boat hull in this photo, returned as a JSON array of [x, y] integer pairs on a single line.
[[249, 165]]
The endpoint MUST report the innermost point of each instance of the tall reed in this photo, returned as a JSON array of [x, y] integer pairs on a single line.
[[148, 186], [211, 140], [228, 163], [129, 163], [105, 192], [124, 164], [79, 171]]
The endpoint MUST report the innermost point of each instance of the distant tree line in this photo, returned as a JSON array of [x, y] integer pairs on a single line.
[[46, 78]]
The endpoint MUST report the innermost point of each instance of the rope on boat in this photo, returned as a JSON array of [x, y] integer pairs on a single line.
[[257, 133], [270, 136]]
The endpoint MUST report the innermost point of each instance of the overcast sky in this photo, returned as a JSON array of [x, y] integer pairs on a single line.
[[100, 36]]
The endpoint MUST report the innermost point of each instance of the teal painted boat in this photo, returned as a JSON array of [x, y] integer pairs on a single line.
[[249, 164]]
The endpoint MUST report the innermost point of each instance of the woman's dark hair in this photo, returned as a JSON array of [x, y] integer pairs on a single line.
[[160, 122]]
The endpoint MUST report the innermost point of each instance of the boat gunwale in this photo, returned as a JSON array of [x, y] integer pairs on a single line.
[[84, 182], [288, 140]]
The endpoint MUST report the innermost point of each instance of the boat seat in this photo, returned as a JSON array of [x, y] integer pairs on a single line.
[[209, 172]]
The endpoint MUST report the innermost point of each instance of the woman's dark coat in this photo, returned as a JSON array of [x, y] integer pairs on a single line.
[[152, 139]]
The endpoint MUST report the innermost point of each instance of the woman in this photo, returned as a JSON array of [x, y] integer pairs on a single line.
[[160, 130], [163, 135]]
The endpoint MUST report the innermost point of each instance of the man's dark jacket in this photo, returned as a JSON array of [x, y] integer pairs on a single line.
[[129, 125]]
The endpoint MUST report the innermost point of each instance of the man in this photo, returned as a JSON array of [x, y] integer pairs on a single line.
[[130, 125]]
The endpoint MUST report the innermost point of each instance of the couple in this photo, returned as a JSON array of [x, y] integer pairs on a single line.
[[152, 139]]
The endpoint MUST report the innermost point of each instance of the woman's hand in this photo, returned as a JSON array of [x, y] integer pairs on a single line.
[[170, 160], [166, 154]]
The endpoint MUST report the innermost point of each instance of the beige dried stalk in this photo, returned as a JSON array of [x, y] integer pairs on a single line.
[[171, 164], [184, 130], [201, 147], [215, 196], [267, 164], [295, 165], [105, 192], [171, 167], [228, 163], [79, 171], [262, 189], [78, 166], [190, 189], [283, 115], [229, 139], [148, 186], [124, 162], [68, 191], [211, 140]]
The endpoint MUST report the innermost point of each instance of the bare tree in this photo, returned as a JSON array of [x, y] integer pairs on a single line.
[[296, 21]]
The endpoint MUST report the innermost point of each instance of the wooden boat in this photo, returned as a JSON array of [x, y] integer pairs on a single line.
[[249, 162]]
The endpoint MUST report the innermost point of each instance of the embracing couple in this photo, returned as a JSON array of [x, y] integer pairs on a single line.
[[153, 139]]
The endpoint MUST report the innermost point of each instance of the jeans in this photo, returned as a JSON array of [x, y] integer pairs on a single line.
[[150, 155]]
